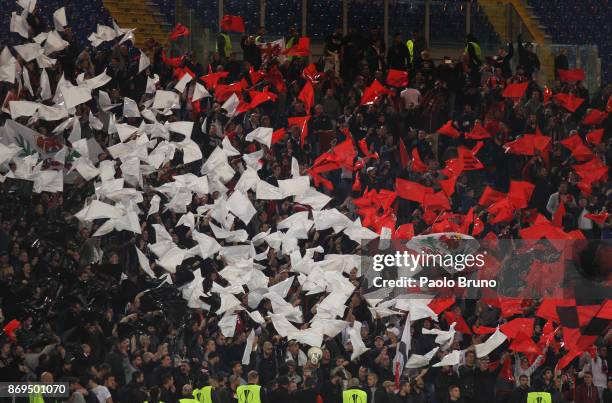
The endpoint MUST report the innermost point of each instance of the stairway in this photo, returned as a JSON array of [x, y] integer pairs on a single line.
[[140, 14], [496, 13]]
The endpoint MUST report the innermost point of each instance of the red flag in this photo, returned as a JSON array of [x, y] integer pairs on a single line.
[[558, 216], [490, 196], [449, 130], [524, 344], [510, 307], [520, 193], [278, 135], [417, 163], [171, 61], [439, 305], [211, 79], [506, 372], [179, 30], [232, 23], [567, 76], [521, 146], [579, 150], [478, 132], [373, 93], [600, 218], [436, 201], [307, 96], [404, 231], [404, 158], [223, 92], [301, 49], [302, 122], [595, 117], [515, 90], [522, 325], [595, 136], [461, 326], [566, 359], [311, 74], [468, 157], [411, 190], [9, 328], [569, 101], [397, 78], [357, 184]]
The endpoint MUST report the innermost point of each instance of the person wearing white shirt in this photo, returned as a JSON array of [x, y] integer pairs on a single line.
[[599, 368], [411, 98], [101, 392]]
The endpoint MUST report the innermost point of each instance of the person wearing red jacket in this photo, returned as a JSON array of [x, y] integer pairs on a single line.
[[587, 392]]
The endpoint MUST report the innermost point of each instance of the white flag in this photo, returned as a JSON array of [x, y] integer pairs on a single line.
[[403, 348]]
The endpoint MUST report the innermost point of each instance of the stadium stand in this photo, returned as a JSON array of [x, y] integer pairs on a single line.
[[83, 17], [584, 22]]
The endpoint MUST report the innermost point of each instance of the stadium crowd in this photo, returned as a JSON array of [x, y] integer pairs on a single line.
[[83, 309]]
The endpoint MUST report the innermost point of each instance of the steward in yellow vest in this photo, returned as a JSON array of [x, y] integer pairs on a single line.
[[224, 45]]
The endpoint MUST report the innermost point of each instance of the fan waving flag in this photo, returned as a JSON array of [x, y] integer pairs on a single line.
[[373, 93], [233, 23], [401, 353], [179, 30]]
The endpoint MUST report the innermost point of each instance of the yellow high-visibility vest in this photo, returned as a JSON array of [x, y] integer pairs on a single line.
[[203, 395], [539, 397], [227, 49], [410, 45], [35, 398], [354, 396], [476, 49], [249, 393]]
